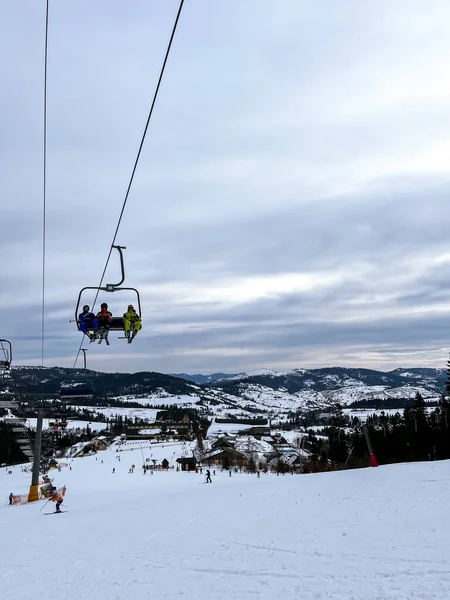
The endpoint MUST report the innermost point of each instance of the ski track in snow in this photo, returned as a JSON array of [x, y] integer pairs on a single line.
[[367, 534]]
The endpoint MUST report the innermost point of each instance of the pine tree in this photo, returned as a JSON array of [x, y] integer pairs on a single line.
[[444, 411], [447, 383], [338, 440]]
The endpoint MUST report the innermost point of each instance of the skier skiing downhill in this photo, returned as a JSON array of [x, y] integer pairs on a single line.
[[58, 499]]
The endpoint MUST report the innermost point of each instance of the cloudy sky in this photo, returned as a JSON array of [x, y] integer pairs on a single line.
[[292, 203]]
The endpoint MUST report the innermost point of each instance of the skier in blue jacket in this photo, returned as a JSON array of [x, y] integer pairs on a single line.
[[87, 321]]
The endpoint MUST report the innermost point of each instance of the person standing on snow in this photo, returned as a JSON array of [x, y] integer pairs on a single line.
[[208, 477], [58, 499], [11, 496]]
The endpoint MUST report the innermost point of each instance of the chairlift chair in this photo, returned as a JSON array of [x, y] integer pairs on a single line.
[[116, 322], [6, 355]]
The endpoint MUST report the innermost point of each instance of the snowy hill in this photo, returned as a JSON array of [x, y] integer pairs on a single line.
[[302, 389], [202, 379], [322, 536], [262, 393], [317, 380], [29, 380]]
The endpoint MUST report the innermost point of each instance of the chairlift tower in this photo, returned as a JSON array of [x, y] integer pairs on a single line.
[[33, 495], [84, 350]]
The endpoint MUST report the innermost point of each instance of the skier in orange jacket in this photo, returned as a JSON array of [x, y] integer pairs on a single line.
[[58, 499]]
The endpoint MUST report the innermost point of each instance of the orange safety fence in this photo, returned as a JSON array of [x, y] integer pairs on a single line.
[[23, 498]]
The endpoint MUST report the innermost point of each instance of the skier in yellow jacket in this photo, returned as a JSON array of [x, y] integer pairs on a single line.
[[131, 323]]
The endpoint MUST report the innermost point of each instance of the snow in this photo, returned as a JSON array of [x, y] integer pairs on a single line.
[[264, 372], [409, 374], [149, 431], [179, 400], [368, 534], [148, 414], [8, 415], [278, 402], [263, 401], [154, 450], [75, 424], [248, 443], [217, 429], [159, 399], [257, 400], [364, 413]]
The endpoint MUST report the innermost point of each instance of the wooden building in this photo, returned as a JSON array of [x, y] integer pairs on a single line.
[[225, 457]]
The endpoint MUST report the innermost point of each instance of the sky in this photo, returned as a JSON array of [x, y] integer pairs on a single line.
[[291, 205]]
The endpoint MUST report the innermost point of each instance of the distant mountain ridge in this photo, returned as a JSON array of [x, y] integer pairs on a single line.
[[329, 378], [47, 380], [260, 393], [300, 390], [202, 379]]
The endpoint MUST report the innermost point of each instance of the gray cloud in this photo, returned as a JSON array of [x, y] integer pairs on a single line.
[[291, 203]]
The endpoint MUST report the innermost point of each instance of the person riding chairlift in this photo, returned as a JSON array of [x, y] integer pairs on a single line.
[[104, 319], [131, 321], [88, 321]]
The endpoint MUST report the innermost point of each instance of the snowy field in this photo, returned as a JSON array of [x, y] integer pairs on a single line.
[[365, 534], [149, 414], [364, 413], [158, 399], [216, 429], [71, 424]]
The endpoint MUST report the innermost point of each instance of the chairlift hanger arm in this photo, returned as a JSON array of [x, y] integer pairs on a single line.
[[111, 286]]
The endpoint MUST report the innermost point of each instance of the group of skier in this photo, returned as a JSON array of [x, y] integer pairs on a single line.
[[100, 323]]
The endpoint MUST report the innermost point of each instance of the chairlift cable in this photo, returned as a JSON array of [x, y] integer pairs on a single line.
[[155, 95], [44, 220]]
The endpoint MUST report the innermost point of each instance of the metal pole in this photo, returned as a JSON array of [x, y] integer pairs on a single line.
[[348, 457], [33, 494], [44, 505], [373, 460], [83, 350]]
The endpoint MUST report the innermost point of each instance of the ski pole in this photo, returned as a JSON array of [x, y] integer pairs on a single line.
[[44, 505]]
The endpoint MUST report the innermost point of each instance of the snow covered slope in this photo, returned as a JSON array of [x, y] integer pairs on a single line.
[[370, 534]]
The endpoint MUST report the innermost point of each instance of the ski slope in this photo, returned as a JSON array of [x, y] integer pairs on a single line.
[[365, 534]]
